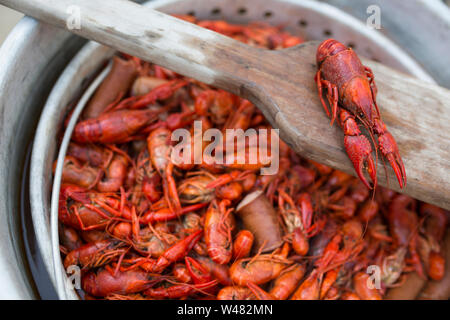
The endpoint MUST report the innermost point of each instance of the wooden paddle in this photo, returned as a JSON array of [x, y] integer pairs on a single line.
[[281, 83]]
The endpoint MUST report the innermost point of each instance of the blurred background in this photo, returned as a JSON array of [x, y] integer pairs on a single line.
[[8, 19]]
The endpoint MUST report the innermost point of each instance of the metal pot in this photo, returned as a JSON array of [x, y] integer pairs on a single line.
[[35, 54]]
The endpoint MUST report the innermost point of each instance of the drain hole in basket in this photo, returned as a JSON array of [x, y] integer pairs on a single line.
[[268, 14], [302, 23], [327, 32], [242, 11], [191, 13], [216, 11]]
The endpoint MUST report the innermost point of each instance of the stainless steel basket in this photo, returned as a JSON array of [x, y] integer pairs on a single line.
[[312, 19]]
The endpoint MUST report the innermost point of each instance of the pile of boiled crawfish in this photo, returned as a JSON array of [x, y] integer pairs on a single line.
[[141, 227]]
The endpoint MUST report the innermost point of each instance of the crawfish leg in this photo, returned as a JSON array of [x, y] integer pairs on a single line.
[[332, 95], [373, 87], [371, 79], [170, 190], [358, 148]]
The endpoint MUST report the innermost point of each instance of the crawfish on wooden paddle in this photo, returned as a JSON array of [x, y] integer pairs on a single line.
[[351, 92]]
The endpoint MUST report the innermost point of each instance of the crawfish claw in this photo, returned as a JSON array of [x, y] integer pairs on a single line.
[[389, 149], [359, 151], [399, 169]]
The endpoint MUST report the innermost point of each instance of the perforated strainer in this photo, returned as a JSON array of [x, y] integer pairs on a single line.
[[313, 20]]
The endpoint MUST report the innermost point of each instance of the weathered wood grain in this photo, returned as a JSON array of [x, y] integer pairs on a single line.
[[280, 83]]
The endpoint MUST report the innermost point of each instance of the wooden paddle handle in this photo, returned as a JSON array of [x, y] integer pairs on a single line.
[[143, 32]]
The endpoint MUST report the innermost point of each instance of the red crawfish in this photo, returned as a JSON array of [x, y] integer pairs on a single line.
[[115, 174], [232, 185], [434, 231], [161, 92], [159, 148], [235, 293], [351, 92], [194, 189], [360, 283], [179, 290], [343, 247], [283, 286], [216, 104], [69, 238], [181, 273], [220, 272], [403, 226], [152, 243], [298, 222], [98, 161], [72, 212], [165, 214], [173, 254], [95, 254], [310, 287], [177, 251], [94, 155], [102, 282], [81, 175], [261, 268], [288, 281], [113, 127], [242, 244], [200, 274], [219, 222], [93, 235], [259, 293], [86, 210]]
